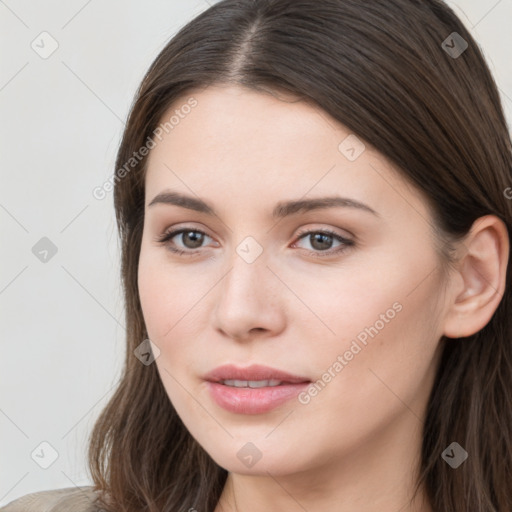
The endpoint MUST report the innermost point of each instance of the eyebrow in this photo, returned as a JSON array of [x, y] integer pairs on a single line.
[[281, 210]]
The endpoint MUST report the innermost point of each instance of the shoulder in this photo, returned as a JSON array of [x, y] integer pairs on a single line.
[[70, 499]]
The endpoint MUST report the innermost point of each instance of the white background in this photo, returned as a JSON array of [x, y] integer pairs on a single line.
[[61, 122]]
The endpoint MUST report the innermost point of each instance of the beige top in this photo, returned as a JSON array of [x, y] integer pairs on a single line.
[[70, 499]]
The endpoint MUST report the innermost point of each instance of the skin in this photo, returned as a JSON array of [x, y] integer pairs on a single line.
[[356, 444]]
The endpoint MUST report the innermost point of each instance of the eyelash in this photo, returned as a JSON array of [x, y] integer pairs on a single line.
[[166, 237]]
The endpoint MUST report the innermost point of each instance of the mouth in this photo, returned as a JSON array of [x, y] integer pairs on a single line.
[[252, 376], [253, 383], [253, 390]]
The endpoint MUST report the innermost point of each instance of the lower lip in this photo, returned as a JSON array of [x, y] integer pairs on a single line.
[[253, 400]]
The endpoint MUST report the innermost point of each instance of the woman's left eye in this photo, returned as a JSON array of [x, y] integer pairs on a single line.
[[195, 238], [325, 237]]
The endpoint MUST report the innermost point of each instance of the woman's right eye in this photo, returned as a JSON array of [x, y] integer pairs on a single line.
[[188, 234]]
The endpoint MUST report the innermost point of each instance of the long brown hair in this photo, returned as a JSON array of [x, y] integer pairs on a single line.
[[389, 72]]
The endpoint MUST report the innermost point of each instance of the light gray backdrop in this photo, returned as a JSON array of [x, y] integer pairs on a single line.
[[68, 73]]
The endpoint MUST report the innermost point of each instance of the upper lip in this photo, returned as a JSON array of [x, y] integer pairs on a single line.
[[253, 372]]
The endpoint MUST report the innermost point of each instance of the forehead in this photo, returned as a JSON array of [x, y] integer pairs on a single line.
[[239, 143], [225, 114]]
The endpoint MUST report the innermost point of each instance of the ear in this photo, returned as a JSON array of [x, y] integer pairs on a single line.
[[479, 282]]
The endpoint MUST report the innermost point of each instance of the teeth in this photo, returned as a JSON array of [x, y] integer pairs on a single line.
[[251, 383]]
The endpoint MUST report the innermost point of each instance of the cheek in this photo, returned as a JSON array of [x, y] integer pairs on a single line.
[[352, 300], [167, 296], [384, 355], [383, 319], [153, 294]]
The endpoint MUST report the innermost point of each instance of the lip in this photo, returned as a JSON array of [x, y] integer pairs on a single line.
[[253, 372], [253, 400]]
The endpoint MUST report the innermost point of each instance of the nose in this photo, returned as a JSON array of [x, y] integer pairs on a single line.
[[249, 300]]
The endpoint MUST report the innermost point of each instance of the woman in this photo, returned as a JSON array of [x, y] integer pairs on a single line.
[[313, 200]]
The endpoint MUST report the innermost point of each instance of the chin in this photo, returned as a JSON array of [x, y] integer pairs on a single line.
[[258, 457]]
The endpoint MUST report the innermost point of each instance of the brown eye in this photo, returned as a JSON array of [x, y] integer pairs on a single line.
[[194, 237], [321, 242], [191, 239]]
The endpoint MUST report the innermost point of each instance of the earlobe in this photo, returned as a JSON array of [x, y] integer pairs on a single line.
[[481, 278]]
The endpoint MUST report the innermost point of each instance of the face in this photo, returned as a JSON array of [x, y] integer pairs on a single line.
[[347, 297]]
